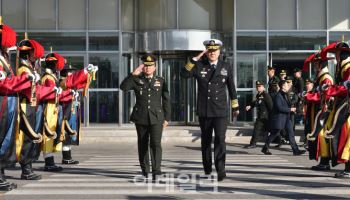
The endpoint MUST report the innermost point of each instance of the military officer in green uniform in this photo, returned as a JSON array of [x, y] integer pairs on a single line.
[[213, 76], [263, 103], [151, 112], [273, 79]]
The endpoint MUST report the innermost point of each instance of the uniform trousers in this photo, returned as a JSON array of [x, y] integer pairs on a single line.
[[219, 125], [149, 137]]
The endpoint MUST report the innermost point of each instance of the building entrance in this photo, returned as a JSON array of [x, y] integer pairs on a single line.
[[288, 62]]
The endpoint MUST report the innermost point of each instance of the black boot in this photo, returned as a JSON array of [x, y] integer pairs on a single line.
[[67, 158], [28, 174], [344, 174], [50, 165], [323, 166], [4, 185]]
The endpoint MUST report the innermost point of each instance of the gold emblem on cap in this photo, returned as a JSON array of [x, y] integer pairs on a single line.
[[149, 58]]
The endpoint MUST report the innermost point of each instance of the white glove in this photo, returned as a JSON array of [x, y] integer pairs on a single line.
[[76, 95], [95, 68], [89, 68], [31, 77], [303, 93], [37, 76], [58, 90], [2, 75], [347, 84]]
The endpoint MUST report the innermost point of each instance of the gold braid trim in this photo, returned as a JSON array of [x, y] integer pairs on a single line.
[[189, 66], [234, 103], [344, 69]]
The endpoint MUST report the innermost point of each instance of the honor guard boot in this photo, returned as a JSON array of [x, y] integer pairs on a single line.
[[67, 158], [28, 174], [4, 185], [50, 165], [323, 166]]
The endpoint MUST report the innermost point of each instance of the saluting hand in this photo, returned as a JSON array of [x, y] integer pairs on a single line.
[[200, 55], [138, 70], [165, 124]]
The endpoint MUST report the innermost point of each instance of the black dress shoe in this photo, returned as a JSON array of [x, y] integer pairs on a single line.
[[251, 146], [145, 174], [266, 151], [31, 176], [221, 176], [299, 152], [53, 168], [321, 167], [343, 174], [207, 172], [70, 162]]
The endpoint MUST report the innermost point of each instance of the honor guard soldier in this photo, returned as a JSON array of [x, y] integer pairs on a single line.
[[72, 78], [263, 104], [151, 112], [272, 77], [213, 77], [318, 106], [339, 129], [52, 141], [9, 86], [27, 140]]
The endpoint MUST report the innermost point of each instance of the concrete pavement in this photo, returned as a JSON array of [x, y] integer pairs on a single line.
[[111, 171]]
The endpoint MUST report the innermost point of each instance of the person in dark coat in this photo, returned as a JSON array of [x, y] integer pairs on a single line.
[[280, 119], [151, 112], [263, 104], [213, 77]]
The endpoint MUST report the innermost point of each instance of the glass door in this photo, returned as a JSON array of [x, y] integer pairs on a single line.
[[183, 95], [176, 85]]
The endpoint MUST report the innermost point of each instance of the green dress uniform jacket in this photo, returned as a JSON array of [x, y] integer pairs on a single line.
[[152, 99]]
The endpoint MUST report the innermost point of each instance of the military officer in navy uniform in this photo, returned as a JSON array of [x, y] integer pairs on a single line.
[[263, 104], [151, 112], [213, 77]]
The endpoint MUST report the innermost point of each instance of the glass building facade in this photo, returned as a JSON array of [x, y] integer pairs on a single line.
[[113, 33]]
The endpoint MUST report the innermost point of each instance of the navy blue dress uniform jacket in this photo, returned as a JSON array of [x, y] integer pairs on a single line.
[[212, 84], [152, 99], [280, 112]]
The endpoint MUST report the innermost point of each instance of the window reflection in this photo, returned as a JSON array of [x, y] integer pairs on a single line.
[[103, 41], [65, 41], [249, 68], [107, 75], [103, 107], [244, 99], [251, 41], [297, 40]]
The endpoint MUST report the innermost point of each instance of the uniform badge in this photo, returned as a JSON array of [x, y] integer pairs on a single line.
[[141, 82], [157, 84], [223, 72], [204, 73]]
